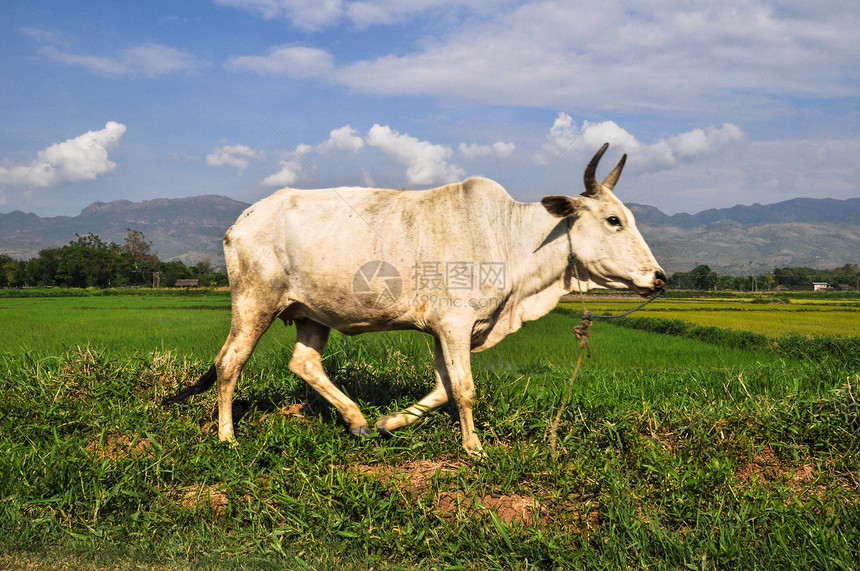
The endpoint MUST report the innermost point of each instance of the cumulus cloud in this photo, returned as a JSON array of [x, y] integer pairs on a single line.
[[83, 158], [290, 167], [236, 156], [425, 162], [302, 149], [291, 61], [704, 141], [343, 139], [289, 172], [498, 150], [565, 136], [148, 59]]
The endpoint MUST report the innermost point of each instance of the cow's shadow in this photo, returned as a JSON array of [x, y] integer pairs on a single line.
[[373, 393]]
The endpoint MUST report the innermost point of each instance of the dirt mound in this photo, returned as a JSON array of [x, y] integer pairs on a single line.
[[416, 478]]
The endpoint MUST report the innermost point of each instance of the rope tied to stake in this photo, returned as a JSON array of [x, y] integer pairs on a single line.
[[583, 333]]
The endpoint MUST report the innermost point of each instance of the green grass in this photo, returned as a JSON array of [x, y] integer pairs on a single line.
[[182, 323], [674, 452]]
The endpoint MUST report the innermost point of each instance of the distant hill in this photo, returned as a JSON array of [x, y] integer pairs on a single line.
[[812, 210], [742, 240], [186, 229], [819, 233]]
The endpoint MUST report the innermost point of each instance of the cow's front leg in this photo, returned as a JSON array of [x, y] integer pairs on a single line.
[[437, 397], [456, 351]]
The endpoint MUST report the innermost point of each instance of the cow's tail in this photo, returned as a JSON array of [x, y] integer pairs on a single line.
[[203, 383]]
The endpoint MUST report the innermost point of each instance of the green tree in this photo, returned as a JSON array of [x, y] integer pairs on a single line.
[[704, 278], [42, 270], [172, 271], [87, 262], [138, 259], [11, 271]]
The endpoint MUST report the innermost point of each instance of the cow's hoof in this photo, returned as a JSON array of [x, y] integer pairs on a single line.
[[362, 431], [382, 425]]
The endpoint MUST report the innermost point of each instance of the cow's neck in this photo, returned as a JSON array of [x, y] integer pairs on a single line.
[[538, 253], [546, 253]]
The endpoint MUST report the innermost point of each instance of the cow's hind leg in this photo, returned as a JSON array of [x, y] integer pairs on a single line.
[[439, 396], [250, 320], [311, 338]]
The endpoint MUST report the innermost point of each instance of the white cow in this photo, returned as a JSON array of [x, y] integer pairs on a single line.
[[464, 262]]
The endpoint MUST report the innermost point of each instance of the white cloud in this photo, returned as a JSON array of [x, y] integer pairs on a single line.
[[426, 163], [306, 14], [291, 61], [705, 141], [290, 167], [384, 12], [148, 59], [302, 150], [83, 158], [659, 56], [761, 172], [565, 136], [343, 139], [289, 173], [236, 156], [498, 150], [315, 15]]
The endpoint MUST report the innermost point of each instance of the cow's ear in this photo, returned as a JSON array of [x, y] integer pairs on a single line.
[[560, 206]]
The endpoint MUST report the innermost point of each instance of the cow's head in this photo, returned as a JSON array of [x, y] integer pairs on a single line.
[[608, 247]]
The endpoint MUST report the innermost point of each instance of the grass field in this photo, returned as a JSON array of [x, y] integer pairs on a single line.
[[675, 451]]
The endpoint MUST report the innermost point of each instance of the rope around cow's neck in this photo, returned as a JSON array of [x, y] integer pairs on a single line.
[[583, 330]]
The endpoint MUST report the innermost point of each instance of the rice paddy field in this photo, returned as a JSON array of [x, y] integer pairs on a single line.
[[703, 432], [769, 315]]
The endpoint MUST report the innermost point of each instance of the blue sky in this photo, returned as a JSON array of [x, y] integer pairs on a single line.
[[716, 104]]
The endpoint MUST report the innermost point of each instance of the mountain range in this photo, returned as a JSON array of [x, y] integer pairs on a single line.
[[741, 240]]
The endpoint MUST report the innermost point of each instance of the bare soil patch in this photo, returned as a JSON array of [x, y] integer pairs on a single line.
[[417, 476], [115, 446], [198, 496]]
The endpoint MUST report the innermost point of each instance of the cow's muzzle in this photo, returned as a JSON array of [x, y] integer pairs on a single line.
[[657, 283]]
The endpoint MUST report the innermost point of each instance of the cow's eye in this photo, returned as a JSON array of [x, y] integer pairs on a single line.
[[614, 221]]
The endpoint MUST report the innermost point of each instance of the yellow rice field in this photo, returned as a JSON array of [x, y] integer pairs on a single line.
[[803, 316]]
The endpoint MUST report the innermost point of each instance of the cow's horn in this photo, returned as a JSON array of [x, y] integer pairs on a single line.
[[592, 187], [612, 178]]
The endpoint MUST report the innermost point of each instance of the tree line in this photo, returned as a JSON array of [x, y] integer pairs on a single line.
[[89, 261], [702, 277]]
